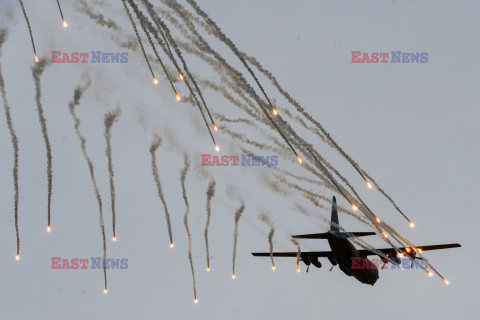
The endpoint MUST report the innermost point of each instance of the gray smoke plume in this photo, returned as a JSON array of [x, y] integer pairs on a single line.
[[210, 194], [99, 18], [29, 28], [8, 116], [295, 242], [238, 215], [109, 120], [266, 219], [77, 95], [183, 175], [37, 71], [138, 36], [157, 141]]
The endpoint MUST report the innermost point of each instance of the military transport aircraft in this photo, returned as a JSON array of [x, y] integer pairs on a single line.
[[343, 252]]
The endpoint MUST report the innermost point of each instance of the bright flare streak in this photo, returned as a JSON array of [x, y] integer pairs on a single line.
[[273, 268], [17, 257], [114, 239], [419, 250], [49, 229], [196, 300], [430, 273], [412, 225], [354, 207], [384, 235], [299, 160], [65, 24], [233, 276], [378, 219], [155, 81], [105, 291], [215, 128], [36, 58], [446, 281], [178, 97], [181, 76], [171, 245], [217, 148], [208, 269], [369, 185], [274, 111], [407, 249], [298, 270]]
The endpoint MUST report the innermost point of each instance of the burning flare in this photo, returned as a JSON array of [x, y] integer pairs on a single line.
[[215, 128], [49, 229], [273, 268], [114, 239], [354, 207], [177, 97], [155, 81], [17, 257], [36, 58], [208, 269], [105, 291], [430, 273], [65, 24], [196, 300], [412, 225], [384, 235], [274, 111], [299, 159], [369, 185], [217, 148], [298, 269], [180, 75], [446, 281], [378, 220], [171, 245], [233, 276]]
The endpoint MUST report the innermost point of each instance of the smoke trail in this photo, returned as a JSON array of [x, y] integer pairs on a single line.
[[210, 194], [97, 17], [110, 119], [29, 29], [60, 9], [8, 116], [166, 32], [77, 95], [143, 24], [238, 215], [37, 71], [157, 141], [265, 219], [295, 242], [138, 36], [234, 49], [183, 175]]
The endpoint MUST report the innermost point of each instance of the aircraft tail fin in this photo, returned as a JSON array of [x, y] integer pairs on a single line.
[[334, 220]]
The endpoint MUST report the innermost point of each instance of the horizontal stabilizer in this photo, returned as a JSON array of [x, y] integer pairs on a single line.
[[333, 233], [325, 235]]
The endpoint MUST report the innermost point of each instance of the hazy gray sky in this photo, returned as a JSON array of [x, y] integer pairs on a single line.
[[414, 127]]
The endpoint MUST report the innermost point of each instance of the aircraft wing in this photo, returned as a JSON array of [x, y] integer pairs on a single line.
[[324, 254], [423, 248]]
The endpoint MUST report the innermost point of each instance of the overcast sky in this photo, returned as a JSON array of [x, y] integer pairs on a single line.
[[414, 127]]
